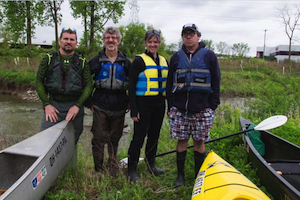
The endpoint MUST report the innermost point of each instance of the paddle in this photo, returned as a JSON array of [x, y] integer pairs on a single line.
[[269, 123]]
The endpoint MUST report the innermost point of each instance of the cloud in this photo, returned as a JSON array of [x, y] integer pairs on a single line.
[[218, 20]]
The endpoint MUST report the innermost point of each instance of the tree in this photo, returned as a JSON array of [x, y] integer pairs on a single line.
[[289, 19], [240, 49], [171, 48], [223, 48], [20, 18], [209, 44], [132, 39], [95, 15], [52, 17]]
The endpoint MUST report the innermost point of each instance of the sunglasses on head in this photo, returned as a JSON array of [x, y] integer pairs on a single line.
[[153, 31], [68, 28]]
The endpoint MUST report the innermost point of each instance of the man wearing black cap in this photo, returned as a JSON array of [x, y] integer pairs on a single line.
[[193, 94]]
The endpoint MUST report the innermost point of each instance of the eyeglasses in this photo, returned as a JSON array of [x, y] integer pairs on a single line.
[[68, 28], [153, 31], [113, 38], [185, 34]]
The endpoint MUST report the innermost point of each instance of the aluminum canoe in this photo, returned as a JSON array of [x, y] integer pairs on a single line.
[[30, 167]]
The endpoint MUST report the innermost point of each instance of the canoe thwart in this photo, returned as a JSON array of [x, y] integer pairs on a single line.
[[287, 168]]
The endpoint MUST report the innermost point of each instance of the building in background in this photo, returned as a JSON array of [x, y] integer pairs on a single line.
[[280, 52]]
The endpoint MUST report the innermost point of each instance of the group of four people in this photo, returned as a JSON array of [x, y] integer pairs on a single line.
[[190, 83]]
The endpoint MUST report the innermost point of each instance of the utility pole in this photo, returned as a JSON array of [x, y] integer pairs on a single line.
[[264, 44]]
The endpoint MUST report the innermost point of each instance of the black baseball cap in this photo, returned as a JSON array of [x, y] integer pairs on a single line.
[[190, 26]]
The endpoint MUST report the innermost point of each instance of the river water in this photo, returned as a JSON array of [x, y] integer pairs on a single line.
[[20, 119]]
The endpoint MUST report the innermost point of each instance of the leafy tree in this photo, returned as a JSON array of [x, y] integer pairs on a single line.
[[132, 39], [240, 49], [95, 15], [51, 16], [223, 48], [171, 48], [209, 44], [290, 21], [20, 18]]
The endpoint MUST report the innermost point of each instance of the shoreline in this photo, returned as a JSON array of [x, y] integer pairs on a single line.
[[24, 91]]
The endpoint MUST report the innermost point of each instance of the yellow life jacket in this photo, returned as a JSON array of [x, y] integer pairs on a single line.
[[149, 82]]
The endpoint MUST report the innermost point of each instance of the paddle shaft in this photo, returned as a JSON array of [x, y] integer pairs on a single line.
[[213, 140]]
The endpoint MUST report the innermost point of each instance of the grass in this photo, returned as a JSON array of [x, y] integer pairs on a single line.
[[272, 93], [87, 187]]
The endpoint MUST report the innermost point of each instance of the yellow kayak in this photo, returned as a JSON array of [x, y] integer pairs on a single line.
[[218, 180]]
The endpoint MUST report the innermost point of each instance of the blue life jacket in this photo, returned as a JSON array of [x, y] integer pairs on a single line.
[[192, 75], [111, 75]]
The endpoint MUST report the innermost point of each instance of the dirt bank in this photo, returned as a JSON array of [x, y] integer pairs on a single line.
[[24, 91]]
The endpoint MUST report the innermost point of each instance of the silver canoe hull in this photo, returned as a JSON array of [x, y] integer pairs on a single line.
[[29, 168]]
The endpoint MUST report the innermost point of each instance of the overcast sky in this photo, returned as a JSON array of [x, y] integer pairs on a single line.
[[218, 20]]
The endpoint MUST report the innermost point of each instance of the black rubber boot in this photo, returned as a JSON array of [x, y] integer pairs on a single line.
[[198, 158], [132, 175], [152, 168], [180, 160]]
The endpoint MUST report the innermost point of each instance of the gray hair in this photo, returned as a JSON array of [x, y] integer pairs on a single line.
[[112, 30]]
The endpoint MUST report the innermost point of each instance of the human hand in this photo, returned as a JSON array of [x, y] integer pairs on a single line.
[[136, 119], [50, 112], [72, 113]]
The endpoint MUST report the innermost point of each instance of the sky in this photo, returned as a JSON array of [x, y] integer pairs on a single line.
[[250, 22]]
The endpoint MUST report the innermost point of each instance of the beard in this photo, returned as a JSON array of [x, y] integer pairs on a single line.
[[67, 50], [109, 48]]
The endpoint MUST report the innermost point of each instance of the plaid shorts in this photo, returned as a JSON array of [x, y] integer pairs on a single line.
[[198, 125]]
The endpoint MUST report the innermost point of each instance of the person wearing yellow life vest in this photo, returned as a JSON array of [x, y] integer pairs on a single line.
[[147, 91]]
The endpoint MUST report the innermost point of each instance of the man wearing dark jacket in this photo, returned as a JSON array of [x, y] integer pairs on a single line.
[[110, 101], [193, 94]]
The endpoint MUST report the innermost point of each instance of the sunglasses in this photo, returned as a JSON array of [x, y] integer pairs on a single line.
[[185, 34], [153, 31], [68, 28]]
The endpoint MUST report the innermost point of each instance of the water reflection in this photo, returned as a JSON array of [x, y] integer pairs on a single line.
[[21, 119]]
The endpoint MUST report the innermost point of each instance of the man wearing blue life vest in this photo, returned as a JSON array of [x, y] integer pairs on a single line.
[[110, 69], [193, 94], [63, 83], [147, 89]]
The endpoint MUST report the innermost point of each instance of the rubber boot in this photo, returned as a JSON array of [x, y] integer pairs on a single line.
[[198, 158], [180, 160], [132, 175], [152, 168]]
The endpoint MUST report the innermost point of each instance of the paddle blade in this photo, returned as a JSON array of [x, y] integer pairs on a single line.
[[271, 122]]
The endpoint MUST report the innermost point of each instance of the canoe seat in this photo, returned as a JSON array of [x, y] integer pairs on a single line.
[[287, 168]]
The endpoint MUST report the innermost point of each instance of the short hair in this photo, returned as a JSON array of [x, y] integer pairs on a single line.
[[68, 30], [152, 32], [112, 30]]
